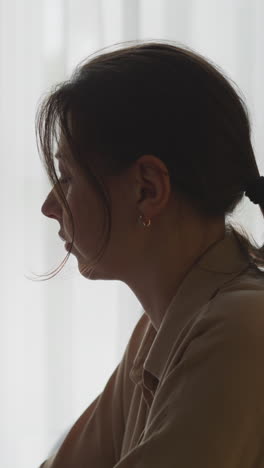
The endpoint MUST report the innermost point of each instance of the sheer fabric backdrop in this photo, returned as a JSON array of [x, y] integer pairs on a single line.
[[61, 339]]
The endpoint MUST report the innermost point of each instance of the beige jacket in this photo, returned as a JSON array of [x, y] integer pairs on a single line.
[[192, 394]]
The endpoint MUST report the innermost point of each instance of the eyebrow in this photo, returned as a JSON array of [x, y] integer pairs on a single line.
[[59, 157], [62, 163]]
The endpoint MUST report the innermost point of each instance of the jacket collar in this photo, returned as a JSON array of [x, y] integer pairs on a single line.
[[220, 264]]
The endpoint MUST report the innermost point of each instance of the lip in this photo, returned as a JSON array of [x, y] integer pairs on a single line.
[[61, 236], [67, 245]]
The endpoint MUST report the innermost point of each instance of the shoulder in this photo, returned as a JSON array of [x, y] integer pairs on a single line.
[[225, 339], [244, 307], [236, 316]]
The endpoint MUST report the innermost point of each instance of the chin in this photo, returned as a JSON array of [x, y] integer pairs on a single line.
[[95, 273]]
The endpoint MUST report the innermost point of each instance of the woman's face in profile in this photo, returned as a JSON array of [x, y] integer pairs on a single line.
[[83, 203], [88, 216]]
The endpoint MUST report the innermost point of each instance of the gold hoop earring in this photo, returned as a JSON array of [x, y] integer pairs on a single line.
[[143, 222]]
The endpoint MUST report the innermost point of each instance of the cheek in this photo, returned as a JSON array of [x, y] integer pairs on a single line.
[[66, 217], [88, 220]]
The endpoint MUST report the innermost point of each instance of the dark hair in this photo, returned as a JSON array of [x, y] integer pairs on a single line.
[[161, 99]]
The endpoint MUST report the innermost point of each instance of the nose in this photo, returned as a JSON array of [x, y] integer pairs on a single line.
[[51, 207]]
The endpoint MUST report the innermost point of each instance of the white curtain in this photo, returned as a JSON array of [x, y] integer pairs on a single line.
[[61, 339]]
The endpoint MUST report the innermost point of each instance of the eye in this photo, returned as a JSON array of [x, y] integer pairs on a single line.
[[64, 180]]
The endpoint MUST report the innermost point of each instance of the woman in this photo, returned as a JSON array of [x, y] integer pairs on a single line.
[[157, 136]]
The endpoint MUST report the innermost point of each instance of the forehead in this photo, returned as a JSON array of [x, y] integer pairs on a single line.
[[60, 159], [62, 149], [62, 146], [64, 158], [62, 154]]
